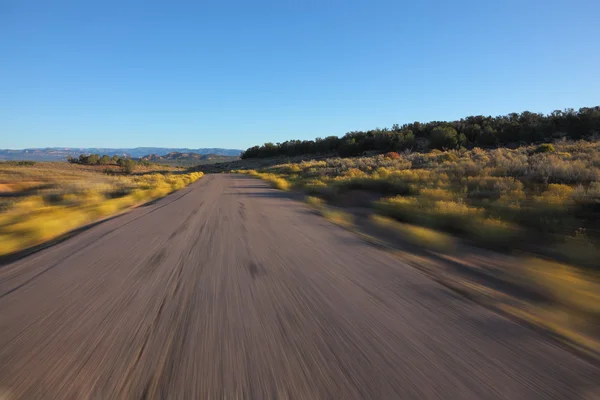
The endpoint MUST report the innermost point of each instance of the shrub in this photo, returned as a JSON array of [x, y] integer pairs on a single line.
[[280, 183], [339, 217], [314, 186], [489, 187], [392, 155], [274, 180], [314, 202], [127, 165], [545, 148], [354, 173], [549, 168]]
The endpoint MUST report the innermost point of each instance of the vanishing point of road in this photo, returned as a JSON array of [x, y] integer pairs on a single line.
[[228, 289]]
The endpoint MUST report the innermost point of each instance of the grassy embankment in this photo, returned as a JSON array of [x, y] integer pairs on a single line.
[[542, 200], [41, 201]]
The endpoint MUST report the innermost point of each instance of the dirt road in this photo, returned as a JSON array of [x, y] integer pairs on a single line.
[[228, 289]]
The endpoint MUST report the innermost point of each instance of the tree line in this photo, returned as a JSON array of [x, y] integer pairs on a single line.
[[127, 164], [469, 132]]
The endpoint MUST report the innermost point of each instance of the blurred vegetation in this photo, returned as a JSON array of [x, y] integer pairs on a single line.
[[536, 198], [276, 181], [486, 132], [41, 201], [417, 235]]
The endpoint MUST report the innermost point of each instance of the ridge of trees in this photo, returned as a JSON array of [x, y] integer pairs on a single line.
[[469, 132]]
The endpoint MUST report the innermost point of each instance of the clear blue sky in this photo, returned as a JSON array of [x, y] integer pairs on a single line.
[[91, 73]]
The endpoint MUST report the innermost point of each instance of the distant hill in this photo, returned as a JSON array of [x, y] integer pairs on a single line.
[[61, 153], [188, 158]]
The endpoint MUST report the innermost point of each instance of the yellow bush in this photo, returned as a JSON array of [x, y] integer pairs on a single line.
[[280, 183], [312, 164], [413, 175], [314, 202], [314, 183], [382, 173], [557, 195], [354, 173], [276, 182], [289, 168], [558, 190]]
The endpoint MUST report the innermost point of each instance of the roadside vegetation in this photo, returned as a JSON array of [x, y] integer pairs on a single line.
[[536, 206], [528, 198], [41, 201]]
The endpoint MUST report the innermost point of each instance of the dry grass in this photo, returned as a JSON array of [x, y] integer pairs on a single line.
[[47, 200]]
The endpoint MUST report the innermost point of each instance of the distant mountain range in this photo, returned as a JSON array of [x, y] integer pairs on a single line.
[[61, 153], [188, 159]]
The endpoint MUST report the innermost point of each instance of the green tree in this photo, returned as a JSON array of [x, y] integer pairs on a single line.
[[127, 165], [93, 159], [443, 137], [488, 137], [104, 160]]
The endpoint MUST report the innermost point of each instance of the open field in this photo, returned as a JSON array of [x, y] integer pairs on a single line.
[[41, 201]]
